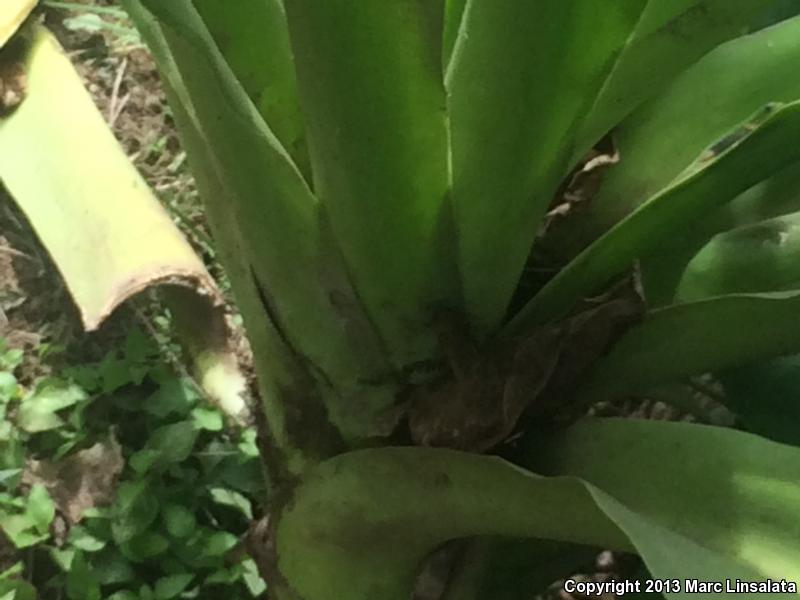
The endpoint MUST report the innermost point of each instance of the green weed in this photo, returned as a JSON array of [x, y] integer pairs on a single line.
[[117, 481]]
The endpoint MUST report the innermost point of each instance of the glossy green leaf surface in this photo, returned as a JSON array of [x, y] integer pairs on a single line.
[[520, 79], [690, 339], [40, 508], [670, 37], [361, 522], [280, 232], [278, 368], [253, 37], [665, 135], [453, 12], [724, 498], [761, 257], [762, 146], [773, 197], [371, 89], [268, 195]]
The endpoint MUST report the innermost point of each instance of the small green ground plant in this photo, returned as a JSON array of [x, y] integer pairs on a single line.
[[118, 482], [452, 228]]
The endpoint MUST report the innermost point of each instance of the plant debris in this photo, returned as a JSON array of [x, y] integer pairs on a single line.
[[83, 480], [13, 81], [479, 404]]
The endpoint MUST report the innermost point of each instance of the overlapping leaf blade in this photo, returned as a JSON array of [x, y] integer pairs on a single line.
[[636, 484], [690, 339], [253, 37], [453, 12], [754, 258], [361, 522], [730, 496], [707, 101], [773, 197], [281, 374], [761, 257], [736, 278], [510, 137], [520, 78], [370, 76], [670, 37], [764, 145], [279, 231]]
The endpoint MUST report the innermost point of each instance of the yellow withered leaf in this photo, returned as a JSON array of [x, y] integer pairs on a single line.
[[12, 14], [106, 232]]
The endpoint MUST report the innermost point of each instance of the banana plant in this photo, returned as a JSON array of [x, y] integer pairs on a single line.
[[429, 333]]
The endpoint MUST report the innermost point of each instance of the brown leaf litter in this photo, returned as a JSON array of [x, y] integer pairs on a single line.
[[83, 480], [487, 391]]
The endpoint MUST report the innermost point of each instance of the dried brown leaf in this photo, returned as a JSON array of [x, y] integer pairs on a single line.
[[82, 480], [481, 400]]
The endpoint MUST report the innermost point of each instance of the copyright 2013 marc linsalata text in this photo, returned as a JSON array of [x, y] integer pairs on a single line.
[[676, 586]]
